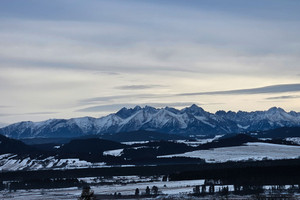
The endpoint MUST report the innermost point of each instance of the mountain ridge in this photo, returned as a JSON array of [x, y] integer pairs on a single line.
[[191, 120]]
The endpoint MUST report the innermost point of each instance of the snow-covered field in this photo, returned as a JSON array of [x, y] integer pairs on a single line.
[[49, 194], [119, 152], [119, 179], [165, 187], [128, 185], [250, 151], [10, 162], [176, 189], [255, 151], [295, 140], [170, 187], [199, 141], [116, 152], [134, 142]]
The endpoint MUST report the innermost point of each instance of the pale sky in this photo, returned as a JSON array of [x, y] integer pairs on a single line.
[[71, 58]]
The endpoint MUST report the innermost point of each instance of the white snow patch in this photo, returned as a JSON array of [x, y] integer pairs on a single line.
[[243, 127], [255, 151], [295, 140], [204, 121], [10, 162], [116, 152], [134, 142], [199, 141]]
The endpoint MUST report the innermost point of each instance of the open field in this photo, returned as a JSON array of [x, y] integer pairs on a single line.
[[250, 151]]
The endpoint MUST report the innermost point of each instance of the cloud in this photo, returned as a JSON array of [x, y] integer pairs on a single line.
[[138, 87], [41, 113], [67, 55], [260, 90], [5, 114], [116, 41], [31, 113], [120, 97], [114, 107], [284, 97], [1, 106]]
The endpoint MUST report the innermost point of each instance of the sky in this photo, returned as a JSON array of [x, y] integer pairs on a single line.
[[75, 58]]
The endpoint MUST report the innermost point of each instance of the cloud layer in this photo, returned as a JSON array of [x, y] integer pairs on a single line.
[[63, 56], [261, 90]]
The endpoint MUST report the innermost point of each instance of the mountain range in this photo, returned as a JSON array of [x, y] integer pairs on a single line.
[[191, 120]]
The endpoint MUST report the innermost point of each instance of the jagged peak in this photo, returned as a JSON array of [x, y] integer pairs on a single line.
[[148, 107], [123, 109], [171, 109], [194, 109], [194, 106], [221, 112], [275, 109], [137, 107], [125, 112], [241, 112], [293, 113]]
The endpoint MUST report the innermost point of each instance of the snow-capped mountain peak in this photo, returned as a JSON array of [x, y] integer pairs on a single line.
[[275, 110]]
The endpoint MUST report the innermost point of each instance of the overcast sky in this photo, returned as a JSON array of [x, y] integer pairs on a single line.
[[71, 58]]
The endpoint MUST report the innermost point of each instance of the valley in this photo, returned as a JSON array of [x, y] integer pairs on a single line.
[[63, 167]]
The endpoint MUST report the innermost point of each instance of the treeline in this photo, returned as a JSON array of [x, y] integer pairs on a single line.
[[258, 190], [245, 175]]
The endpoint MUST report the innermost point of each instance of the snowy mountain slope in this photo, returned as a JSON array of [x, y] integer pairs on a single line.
[[191, 120]]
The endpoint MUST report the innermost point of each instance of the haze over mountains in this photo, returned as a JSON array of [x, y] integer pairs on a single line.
[[192, 120]]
